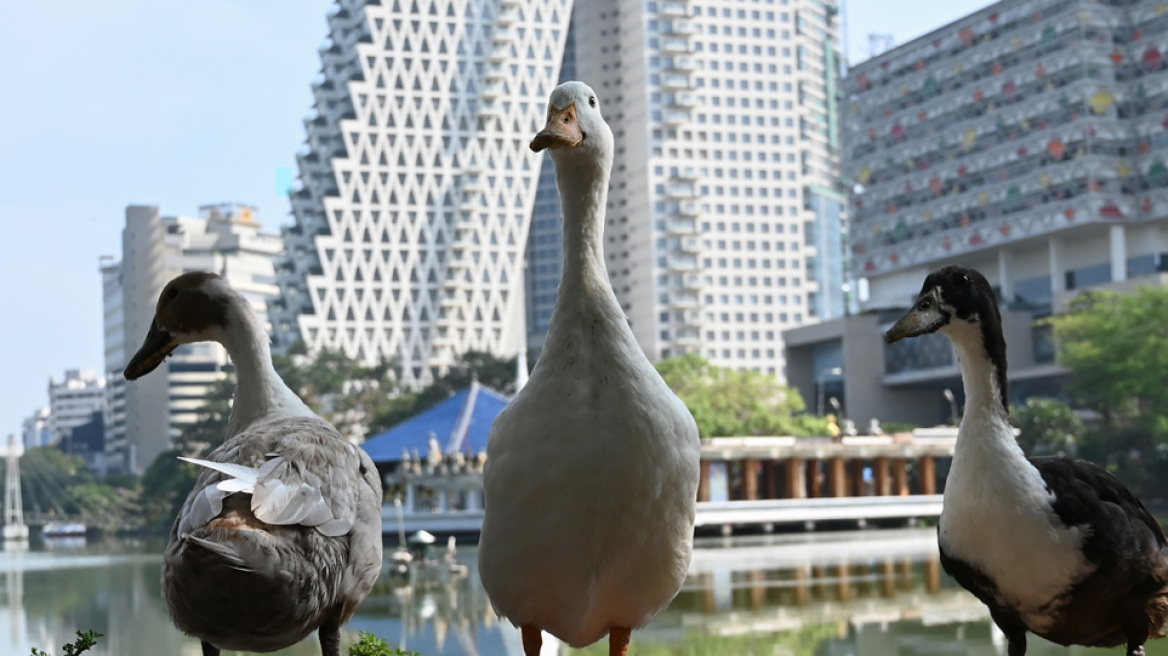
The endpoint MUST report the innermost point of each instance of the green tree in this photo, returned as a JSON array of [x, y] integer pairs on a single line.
[[55, 483], [1047, 427], [1117, 346], [209, 429], [348, 394], [728, 402]]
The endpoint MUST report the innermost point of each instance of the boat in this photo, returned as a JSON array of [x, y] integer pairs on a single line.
[[55, 530]]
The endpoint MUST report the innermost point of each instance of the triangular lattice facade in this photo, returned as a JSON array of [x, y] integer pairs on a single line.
[[417, 184]]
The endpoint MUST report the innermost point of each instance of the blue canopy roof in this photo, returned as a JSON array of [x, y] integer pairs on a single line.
[[460, 423]]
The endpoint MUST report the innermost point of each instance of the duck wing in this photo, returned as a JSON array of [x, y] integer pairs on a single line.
[[303, 478], [1087, 494]]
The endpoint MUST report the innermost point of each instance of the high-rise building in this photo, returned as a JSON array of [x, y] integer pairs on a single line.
[[417, 184], [35, 429], [73, 400], [724, 220], [1026, 140], [143, 417]]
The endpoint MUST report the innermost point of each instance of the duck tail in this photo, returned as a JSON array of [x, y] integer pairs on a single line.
[[224, 552]]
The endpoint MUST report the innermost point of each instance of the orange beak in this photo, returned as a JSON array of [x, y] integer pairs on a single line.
[[562, 130]]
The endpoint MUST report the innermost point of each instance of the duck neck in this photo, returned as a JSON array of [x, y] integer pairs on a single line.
[[259, 390], [983, 374], [583, 185]]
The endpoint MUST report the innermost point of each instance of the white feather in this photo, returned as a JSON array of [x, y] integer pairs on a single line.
[[248, 475]]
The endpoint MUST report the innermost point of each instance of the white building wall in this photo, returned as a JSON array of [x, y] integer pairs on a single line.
[[721, 123], [143, 417], [73, 400], [418, 183]]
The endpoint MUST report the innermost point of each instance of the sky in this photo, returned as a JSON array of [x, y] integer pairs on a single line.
[[176, 104]]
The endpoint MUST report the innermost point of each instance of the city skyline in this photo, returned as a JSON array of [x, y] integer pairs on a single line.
[[150, 115]]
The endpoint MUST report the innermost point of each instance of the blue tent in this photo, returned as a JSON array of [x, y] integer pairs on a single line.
[[460, 423]]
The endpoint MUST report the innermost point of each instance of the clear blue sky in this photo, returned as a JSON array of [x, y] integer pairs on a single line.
[[178, 104]]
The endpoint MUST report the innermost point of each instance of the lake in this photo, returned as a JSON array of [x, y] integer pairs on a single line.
[[856, 593]]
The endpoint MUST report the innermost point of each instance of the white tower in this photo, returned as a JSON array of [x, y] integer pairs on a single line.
[[14, 527]]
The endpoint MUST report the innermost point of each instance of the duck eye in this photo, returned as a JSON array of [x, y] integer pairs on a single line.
[[171, 294], [591, 101], [924, 304]]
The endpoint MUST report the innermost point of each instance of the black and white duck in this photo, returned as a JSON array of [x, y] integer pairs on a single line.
[[1056, 546]]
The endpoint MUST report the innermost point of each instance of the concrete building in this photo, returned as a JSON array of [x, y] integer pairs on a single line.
[[723, 225], [35, 429], [143, 417], [72, 401], [416, 183], [1026, 140]]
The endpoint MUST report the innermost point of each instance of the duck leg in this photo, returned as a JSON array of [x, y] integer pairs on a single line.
[[1015, 633], [532, 640], [618, 640], [209, 649], [330, 639], [1135, 650]]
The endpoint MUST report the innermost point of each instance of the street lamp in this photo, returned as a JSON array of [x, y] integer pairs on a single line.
[[952, 405], [834, 371]]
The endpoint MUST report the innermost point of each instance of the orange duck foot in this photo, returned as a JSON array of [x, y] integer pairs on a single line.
[[618, 641]]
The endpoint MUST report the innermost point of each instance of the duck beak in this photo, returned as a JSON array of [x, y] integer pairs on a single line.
[[157, 346], [562, 130], [916, 322]]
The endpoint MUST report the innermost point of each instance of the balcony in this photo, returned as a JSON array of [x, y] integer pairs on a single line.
[[472, 203], [684, 300], [491, 110], [503, 37], [675, 45], [685, 100], [496, 75], [675, 117], [682, 262], [674, 10], [676, 82], [507, 17], [500, 55], [683, 65], [682, 226], [690, 173], [474, 183], [491, 90], [691, 282], [689, 209]]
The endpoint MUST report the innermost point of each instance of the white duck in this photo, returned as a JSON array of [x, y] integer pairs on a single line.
[[281, 535], [1056, 546], [592, 470]]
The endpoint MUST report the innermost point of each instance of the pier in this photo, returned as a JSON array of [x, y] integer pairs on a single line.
[[752, 483]]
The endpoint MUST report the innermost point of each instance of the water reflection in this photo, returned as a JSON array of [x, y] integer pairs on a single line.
[[872, 593]]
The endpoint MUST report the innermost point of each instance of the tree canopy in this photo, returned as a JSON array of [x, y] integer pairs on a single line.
[[1117, 346], [1047, 427], [344, 391], [729, 402]]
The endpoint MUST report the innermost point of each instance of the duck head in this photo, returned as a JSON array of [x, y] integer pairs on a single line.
[[192, 308], [575, 129], [959, 303], [952, 300]]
